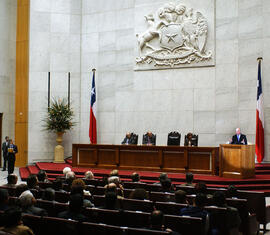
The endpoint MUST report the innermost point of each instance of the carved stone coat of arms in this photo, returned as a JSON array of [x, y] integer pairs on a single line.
[[175, 36]]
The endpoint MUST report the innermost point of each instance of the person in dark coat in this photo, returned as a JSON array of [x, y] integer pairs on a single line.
[[5, 152], [12, 150], [239, 138]]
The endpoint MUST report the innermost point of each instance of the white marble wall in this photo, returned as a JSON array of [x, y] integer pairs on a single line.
[[78, 35], [55, 44], [7, 64]]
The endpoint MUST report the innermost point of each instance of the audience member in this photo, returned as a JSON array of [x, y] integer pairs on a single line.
[[139, 194], [3, 199], [114, 172], [111, 200], [48, 194], [70, 176], [79, 189], [180, 197], [135, 177], [13, 223], [75, 209], [32, 182], [89, 175], [166, 186], [66, 170], [189, 179], [196, 210], [20, 189], [11, 181], [116, 181], [58, 185], [42, 176], [112, 187], [161, 177], [157, 222], [231, 219], [27, 201], [80, 182], [232, 192]]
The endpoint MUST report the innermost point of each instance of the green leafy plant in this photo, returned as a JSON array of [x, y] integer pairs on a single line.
[[59, 117]]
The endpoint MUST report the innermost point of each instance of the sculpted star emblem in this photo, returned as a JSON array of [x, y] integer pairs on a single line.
[[171, 36]]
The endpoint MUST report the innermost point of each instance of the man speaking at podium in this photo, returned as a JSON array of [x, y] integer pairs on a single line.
[[239, 138]]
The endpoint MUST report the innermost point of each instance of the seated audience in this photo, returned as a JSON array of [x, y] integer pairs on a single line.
[[27, 202], [75, 209], [11, 181], [130, 138], [157, 222], [20, 189], [200, 187], [42, 176], [70, 176], [135, 177], [13, 223], [3, 199], [48, 194], [149, 138], [58, 185], [112, 187], [238, 138], [161, 177], [110, 200], [189, 179], [114, 172], [78, 188], [232, 192], [166, 186], [89, 175], [196, 210], [180, 197], [66, 170], [116, 181], [221, 221], [32, 182], [139, 194]]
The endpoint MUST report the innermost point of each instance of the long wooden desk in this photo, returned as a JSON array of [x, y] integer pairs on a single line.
[[201, 160]]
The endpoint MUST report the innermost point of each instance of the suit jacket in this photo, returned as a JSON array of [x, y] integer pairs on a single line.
[[242, 138], [32, 210], [15, 150], [131, 140], [147, 139], [4, 148]]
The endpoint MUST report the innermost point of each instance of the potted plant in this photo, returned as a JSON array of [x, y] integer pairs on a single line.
[[59, 120]]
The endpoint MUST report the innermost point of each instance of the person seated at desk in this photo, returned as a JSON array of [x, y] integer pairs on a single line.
[[129, 139], [149, 138], [239, 138], [191, 139]]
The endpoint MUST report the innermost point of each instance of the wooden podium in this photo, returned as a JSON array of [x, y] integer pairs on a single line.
[[237, 161]]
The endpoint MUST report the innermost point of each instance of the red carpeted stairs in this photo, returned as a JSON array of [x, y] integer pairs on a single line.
[[261, 181]]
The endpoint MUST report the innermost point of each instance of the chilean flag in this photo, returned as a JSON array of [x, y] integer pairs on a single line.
[[93, 122], [259, 119]]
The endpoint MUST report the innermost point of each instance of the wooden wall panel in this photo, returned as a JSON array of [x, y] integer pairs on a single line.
[[22, 71]]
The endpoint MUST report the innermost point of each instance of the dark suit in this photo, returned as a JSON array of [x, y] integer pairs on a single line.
[[242, 138], [11, 158], [32, 210], [149, 140], [131, 140], [5, 151]]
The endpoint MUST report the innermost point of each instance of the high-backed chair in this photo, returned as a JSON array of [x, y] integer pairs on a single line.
[[193, 141], [174, 138]]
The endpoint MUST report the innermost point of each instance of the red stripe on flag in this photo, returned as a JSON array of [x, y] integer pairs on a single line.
[[259, 147], [93, 128]]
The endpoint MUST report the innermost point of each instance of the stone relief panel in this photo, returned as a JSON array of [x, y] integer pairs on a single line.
[[176, 36]]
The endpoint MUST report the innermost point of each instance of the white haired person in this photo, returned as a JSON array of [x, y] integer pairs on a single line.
[[238, 138], [66, 170], [89, 175], [27, 202]]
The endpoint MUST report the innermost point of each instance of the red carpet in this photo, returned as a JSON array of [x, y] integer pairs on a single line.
[[261, 181]]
